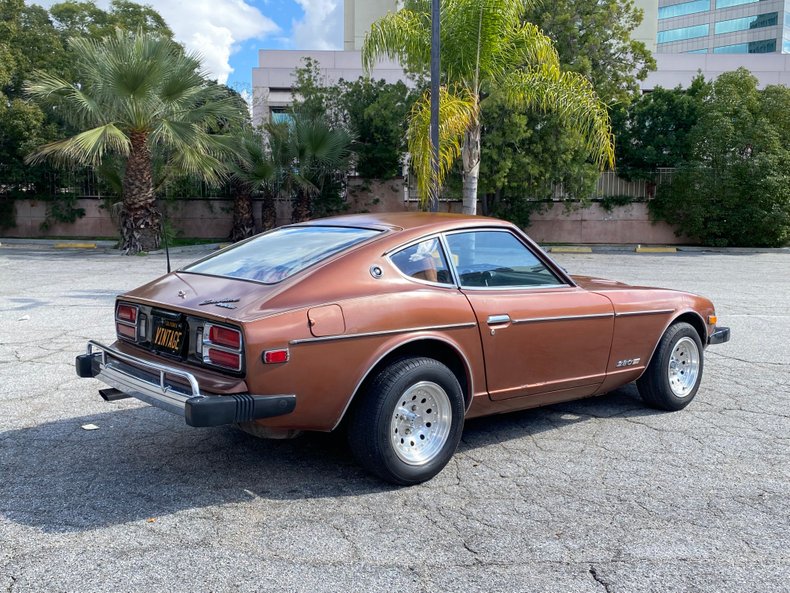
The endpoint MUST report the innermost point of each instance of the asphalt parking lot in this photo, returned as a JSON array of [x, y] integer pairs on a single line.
[[601, 495]]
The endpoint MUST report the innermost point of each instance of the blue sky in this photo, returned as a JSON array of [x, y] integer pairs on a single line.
[[229, 33], [301, 25]]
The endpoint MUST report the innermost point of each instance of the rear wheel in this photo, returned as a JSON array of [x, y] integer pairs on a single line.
[[672, 379], [408, 423]]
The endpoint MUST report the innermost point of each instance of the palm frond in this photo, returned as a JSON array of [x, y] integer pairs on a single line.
[[86, 148], [458, 111], [573, 98], [403, 35]]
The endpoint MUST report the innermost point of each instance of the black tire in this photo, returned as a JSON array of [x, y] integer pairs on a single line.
[[673, 376], [403, 449]]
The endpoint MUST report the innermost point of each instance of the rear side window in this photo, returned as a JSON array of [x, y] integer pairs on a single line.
[[423, 261], [280, 254]]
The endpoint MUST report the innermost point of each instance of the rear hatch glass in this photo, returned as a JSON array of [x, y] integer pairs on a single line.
[[275, 256]]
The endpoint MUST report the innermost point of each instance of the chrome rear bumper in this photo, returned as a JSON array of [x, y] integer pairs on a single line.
[[175, 390]]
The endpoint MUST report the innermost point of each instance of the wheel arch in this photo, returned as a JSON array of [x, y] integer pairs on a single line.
[[440, 349], [694, 319]]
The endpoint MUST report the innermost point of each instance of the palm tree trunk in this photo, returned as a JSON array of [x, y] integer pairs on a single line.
[[141, 221], [243, 219], [268, 212], [301, 207], [470, 155]]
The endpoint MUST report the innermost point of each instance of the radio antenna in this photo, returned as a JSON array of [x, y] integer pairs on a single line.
[[164, 238]]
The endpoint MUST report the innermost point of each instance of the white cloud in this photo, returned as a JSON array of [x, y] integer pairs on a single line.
[[213, 28], [321, 27]]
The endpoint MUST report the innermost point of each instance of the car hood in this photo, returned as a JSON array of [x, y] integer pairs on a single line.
[[597, 284]]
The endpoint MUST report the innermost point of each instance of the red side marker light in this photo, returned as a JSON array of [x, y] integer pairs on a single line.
[[276, 356]]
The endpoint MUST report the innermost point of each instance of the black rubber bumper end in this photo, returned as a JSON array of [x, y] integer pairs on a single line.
[[719, 335], [84, 364], [232, 409]]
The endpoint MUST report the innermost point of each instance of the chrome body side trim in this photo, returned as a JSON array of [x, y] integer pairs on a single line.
[[385, 332], [654, 312], [564, 318]]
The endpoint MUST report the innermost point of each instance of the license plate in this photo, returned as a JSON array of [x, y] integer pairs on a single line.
[[168, 335]]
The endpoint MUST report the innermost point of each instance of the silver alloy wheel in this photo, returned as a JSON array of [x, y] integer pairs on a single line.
[[421, 423], [683, 369]]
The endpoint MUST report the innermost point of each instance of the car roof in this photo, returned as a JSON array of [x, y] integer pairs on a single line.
[[422, 221]]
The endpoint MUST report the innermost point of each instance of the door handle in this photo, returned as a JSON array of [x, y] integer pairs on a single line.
[[498, 319]]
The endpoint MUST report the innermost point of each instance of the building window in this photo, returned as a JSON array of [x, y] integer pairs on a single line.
[[667, 12], [744, 24], [704, 50], [728, 3], [765, 46], [280, 115], [671, 35]]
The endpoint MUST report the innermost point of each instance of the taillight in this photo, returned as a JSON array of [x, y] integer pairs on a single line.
[[223, 336], [221, 358], [126, 317], [221, 346], [126, 313]]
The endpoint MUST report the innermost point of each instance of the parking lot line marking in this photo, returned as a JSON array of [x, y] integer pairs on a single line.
[[640, 249], [75, 246], [570, 249]]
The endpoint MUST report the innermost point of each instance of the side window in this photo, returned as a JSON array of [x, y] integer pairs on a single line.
[[496, 259], [423, 261]]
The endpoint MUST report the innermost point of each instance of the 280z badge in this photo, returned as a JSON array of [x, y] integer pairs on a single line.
[[628, 362]]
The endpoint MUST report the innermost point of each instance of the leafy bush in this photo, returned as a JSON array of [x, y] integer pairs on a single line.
[[735, 188]]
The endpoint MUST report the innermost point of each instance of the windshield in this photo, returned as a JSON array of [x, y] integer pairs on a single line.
[[280, 254]]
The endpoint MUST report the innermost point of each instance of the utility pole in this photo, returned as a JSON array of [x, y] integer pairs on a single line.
[[434, 197]]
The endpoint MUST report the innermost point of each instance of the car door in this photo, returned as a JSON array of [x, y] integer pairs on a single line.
[[539, 333]]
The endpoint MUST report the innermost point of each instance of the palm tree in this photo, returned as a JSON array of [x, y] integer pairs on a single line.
[[137, 93], [485, 49], [253, 170], [310, 155]]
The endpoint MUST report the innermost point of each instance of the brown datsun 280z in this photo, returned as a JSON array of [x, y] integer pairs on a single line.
[[396, 327]]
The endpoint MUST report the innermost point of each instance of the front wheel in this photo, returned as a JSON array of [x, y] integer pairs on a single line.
[[673, 376], [408, 423]]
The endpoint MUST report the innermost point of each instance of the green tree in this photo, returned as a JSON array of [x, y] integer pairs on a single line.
[[136, 92], [593, 39], [85, 19], [735, 188], [526, 155], [655, 130], [311, 157], [486, 50], [375, 113], [253, 171]]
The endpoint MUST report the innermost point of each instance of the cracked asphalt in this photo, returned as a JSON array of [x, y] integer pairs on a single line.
[[601, 495]]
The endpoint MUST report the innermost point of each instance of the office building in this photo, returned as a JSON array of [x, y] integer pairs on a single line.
[[723, 26]]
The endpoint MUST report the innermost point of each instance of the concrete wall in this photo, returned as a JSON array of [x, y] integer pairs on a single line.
[[212, 218]]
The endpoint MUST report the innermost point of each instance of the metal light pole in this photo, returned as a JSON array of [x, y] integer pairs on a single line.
[[434, 197]]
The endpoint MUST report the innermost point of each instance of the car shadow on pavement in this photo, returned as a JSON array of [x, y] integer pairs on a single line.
[[141, 463]]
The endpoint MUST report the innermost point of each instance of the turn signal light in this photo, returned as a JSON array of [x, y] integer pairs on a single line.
[[712, 319], [276, 356]]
